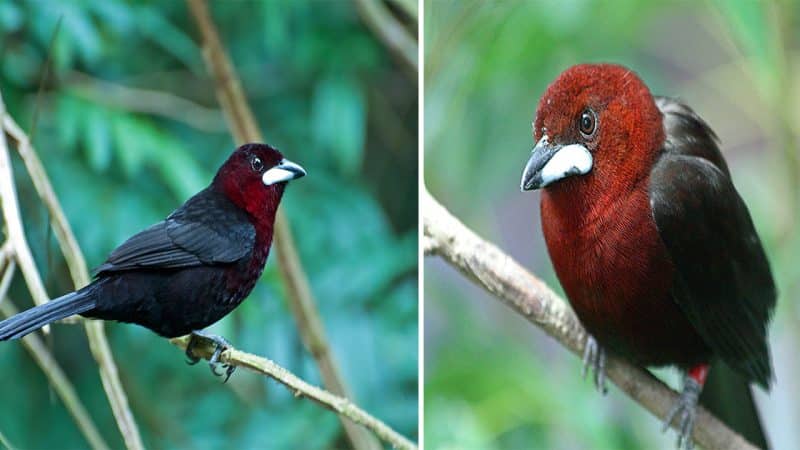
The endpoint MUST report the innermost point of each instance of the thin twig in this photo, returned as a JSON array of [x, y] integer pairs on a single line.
[[504, 278], [409, 7], [59, 381], [7, 275], [4, 440], [345, 408], [72, 253], [160, 103], [43, 78], [244, 129], [393, 34], [13, 220], [78, 271]]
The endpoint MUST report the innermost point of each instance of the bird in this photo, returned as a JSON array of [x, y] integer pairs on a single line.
[[188, 271], [653, 245]]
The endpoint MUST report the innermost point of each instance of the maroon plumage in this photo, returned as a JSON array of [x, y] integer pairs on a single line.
[[191, 269], [650, 240]]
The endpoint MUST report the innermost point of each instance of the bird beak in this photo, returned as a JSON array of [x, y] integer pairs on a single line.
[[552, 162], [284, 171]]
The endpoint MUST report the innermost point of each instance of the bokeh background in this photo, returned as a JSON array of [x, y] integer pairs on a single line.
[[128, 127], [494, 381]]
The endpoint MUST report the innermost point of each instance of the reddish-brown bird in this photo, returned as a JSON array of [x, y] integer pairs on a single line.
[[653, 246]]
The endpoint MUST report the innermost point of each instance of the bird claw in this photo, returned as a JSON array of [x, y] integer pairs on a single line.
[[685, 409], [594, 356], [221, 344]]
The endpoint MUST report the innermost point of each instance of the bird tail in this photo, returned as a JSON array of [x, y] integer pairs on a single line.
[[31, 320], [728, 396]]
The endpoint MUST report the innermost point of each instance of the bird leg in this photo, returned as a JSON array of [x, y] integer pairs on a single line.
[[220, 345], [686, 406], [594, 356]]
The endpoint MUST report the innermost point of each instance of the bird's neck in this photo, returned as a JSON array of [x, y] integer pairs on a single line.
[[581, 202], [260, 206], [264, 222]]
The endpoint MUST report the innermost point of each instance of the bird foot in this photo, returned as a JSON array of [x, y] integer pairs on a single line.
[[685, 410], [221, 344], [594, 357]]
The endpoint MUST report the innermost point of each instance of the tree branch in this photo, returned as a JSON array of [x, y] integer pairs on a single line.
[[301, 300], [160, 103], [505, 279], [7, 268], [389, 30], [6, 443], [13, 220], [59, 381], [73, 256], [205, 348]]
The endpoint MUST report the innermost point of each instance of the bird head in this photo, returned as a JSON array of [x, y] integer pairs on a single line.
[[597, 126], [254, 178]]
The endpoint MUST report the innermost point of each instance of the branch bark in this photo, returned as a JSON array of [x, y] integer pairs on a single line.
[[301, 300], [95, 331], [340, 405], [506, 280]]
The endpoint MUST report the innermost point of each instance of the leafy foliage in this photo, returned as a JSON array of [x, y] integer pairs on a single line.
[[128, 127]]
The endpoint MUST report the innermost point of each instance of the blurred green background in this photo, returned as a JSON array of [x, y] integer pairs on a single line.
[[128, 126], [494, 381]]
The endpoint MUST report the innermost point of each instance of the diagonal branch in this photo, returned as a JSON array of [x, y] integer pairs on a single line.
[[59, 381], [148, 101], [75, 261], [299, 388], [301, 300], [13, 220], [389, 30], [504, 278]]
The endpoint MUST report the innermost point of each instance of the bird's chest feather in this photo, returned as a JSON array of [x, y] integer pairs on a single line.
[[240, 279], [614, 269]]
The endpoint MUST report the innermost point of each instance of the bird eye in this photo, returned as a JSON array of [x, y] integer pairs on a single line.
[[587, 123], [256, 164]]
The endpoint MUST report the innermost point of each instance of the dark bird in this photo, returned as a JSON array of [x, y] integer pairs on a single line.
[[651, 242], [191, 269]]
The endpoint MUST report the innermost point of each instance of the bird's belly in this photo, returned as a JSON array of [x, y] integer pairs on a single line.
[[618, 278], [171, 303]]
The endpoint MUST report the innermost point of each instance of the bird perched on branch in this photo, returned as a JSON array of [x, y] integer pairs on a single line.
[[651, 242], [191, 269]]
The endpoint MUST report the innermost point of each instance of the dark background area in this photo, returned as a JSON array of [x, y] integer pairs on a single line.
[[128, 127]]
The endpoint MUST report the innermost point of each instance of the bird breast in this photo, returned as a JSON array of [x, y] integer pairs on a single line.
[[616, 273]]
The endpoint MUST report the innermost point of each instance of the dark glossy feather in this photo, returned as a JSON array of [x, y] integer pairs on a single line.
[[723, 281], [207, 229], [31, 320]]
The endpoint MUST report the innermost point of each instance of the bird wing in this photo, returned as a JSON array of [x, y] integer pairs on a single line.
[[723, 281], [207, 229]]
